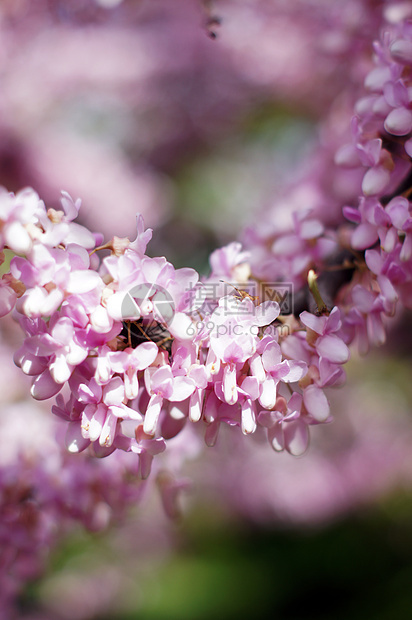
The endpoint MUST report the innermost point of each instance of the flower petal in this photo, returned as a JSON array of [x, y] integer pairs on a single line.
[[316, 403]]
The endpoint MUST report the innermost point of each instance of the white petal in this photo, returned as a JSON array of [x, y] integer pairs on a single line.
[[182, 327], [248, 417], [268, 396], [17, 238], [152, 414], [195, 405], [83, 281]]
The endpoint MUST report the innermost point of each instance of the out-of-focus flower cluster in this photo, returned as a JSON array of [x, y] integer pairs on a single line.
[[363, 455], [45, 491], [105, 69], [381, 149]]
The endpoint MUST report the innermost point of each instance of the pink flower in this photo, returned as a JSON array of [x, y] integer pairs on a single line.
[[277, 369], [18, 215], [162, 384], [235, 327], [287, 428], [328, 343], [129, 362]]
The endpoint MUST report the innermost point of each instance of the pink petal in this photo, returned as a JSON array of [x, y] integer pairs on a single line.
[[316, 403], [160, 380], [63, 330], [70, 208], [408, 147], [347, 156], [52, 302], [352, 214], [333, 348], [295, 402], [266, 312], [399, 122], [311, 229], [296, 348], [7, 299], [271, 356], [251, 386], [376, 329], [398, 211], [17, 238], [74, 441], [296, 435], [256, 367], [297, 370], [333, 321], [374, 261], [198, 374], [316, 323], [144, 355], [108, 431], [212, 432], [100, 320], [276, 437], [82, 281], [401, 51], [44, 386], [364, 236], [406, 251], [182, 388], [113, 392], [80, 235], [76, 354], [375, 181], [362, 298], [30, 364], [377, 78], [121, 306], [181, 327], [268, 418], [145, 464], [60, 370], [96, 421]]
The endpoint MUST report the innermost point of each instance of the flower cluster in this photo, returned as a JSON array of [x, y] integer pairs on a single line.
[[45, 492], [376, 251], [381, 150], [144, 347]]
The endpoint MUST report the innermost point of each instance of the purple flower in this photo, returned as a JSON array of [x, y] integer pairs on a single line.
[[327, 342], [277, 369], [235, 327], [287, 428], [129, 362], [162, 384], [18, 215], [147, 448], [371, 305]]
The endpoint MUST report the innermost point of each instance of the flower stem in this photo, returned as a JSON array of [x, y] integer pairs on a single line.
[[313, 287]]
